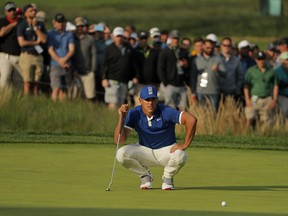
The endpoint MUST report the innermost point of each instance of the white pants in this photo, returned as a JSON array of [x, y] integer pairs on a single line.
[[8, 64], [138, 159]]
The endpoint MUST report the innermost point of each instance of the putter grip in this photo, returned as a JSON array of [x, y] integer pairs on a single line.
[[121, 123]]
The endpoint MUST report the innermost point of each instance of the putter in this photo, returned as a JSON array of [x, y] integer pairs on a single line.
[[117, 147]]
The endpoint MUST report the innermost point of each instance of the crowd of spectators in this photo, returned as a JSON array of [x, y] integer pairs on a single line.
[[111, 65]]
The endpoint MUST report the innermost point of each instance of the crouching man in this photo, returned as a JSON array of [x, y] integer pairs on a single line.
[[155, 125]]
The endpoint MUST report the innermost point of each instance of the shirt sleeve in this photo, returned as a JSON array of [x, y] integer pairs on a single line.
[[130, 120]]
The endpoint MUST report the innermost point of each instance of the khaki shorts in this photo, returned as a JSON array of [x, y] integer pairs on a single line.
[[260, 107], [116, 92], [88, 82], [31, 67]]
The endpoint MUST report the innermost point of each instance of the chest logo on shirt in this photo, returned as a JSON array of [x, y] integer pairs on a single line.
[[158, 119]]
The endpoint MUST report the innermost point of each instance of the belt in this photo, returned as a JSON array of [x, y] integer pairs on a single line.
[[34, 54]]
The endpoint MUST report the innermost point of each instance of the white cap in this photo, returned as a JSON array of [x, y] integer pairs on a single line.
[[118, 31], [243, 43], [212, 37], [70, 26], [154, 32]]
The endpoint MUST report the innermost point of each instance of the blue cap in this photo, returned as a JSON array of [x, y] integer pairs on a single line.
[[148, 92]]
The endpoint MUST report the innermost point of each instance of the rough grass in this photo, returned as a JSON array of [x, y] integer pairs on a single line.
[[40, 114]]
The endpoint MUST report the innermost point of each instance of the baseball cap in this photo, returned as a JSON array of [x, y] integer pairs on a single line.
[[79, 21], [212, 37], [60, 18], [26, 7], [283, 41], [142, 34], [174, 34], [154, 32], [9, 5], [260, 55], [70, 26], [243, 44], [41, 16], [148, 92], [118, 31], [283, 56]]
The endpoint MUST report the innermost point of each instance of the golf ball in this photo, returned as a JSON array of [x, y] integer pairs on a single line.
[[223, 203]]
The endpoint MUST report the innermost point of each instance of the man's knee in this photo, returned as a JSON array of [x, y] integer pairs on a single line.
[[179, 157]]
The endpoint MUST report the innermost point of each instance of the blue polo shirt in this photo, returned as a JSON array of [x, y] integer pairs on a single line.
[[159, 130], [60, 43]]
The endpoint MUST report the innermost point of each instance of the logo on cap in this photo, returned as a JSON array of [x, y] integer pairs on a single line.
[[150, 90]]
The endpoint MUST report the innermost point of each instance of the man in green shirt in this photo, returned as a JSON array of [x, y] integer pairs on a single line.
[[260, 91]]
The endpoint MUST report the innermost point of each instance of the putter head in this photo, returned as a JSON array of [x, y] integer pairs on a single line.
[[107, 189]]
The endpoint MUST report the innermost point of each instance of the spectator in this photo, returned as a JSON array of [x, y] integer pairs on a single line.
[[119, 67], [31, 35], [197, 46], [9, 46], [100, 49], [245, 59], [260, 91], [147, 57], [164, 37], [254, 49], [282, 47], [84, 59], [44, 83], [206, 72], [186, 44], [155, 34], [107, 35], [272, 54], [232, 83], [172, 64], [61, 47], [216, 46], [282, 74]]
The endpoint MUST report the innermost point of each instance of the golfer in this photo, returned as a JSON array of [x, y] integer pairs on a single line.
[[155, 125]]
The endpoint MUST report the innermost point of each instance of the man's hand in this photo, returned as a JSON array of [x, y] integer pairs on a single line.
[[176, 147], [123, 109]]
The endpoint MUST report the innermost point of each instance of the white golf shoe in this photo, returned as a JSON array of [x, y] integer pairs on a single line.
[[167, 183], [146, 182]]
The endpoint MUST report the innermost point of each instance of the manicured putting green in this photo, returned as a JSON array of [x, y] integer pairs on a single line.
[[64, 179]]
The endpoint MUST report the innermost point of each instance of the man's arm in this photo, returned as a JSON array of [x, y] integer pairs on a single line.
[[190, 123], [6, 29], [122, 112]]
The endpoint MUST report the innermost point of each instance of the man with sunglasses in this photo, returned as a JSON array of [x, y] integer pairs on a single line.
[[157, 146], [84, 60], [207, 69], [9, 47], [232, 83]]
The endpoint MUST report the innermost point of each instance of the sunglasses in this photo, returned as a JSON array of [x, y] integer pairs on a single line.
[[12, 9], [80, 26]]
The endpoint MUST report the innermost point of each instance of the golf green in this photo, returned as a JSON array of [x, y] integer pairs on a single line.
[[64, 179]]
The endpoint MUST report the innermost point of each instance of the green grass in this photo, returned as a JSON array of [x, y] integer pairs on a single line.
[[191, 17], [65, 179]]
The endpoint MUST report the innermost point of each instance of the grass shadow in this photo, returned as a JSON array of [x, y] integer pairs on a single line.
[[238, 188]]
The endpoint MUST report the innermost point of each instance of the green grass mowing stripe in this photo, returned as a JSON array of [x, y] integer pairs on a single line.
[[68, 177]]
